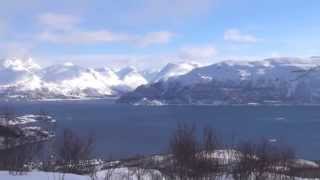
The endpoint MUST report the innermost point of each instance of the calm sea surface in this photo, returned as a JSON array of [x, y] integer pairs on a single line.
[[123, 130]]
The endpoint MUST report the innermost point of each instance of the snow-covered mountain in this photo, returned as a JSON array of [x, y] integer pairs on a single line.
[[276, 80], [131, 77], [281, 80], [172, 70], [17, 73], [27, 80]]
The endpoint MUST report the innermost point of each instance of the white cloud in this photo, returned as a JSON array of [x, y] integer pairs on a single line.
[[116, 61], [126, 11], [66, 29], [105, 36], [83, 37], [11, 45], [235, 35], [275, 54], [16, 49], [55, 21], [161, 37], [169, 10], [202, 52], [177, 7]]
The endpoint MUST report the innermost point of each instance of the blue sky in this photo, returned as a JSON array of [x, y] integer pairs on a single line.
[[151, 33]]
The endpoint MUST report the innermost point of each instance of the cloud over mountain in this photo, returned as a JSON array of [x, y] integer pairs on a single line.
[[235, 35]]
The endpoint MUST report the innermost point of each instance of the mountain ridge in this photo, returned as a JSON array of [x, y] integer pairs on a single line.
[[286, 80], [24, 79], [273, 80]]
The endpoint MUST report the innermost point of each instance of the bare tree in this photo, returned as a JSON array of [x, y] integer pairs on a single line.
[[16, 159], [75, 152], [206, 164], [193, 158], [211, 141], [262, 160], [108, 173], [14, 153], [273, 159], [7, 115], [246, 164], [184, 148], [283, 158]]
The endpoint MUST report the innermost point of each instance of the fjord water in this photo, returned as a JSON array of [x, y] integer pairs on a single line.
[[124, 130]]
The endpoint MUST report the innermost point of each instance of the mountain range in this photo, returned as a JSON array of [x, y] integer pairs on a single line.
[[273, 80], [268, 81], [24, 79]]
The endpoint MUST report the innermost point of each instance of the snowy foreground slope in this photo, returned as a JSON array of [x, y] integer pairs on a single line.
[[118, 174], [268, 81], [24, 79], [125, 173], [131, 169]]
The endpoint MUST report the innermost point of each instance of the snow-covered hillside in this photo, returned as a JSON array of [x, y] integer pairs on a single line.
[[154, 168], [172, 70], [131, 77], [276, 69], [282, 80], [24, 79]]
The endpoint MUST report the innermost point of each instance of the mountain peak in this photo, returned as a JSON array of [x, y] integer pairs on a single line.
[[122, 73], [274, 80], [175, 69], [25, 77], [68, 64], [21, 64]]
